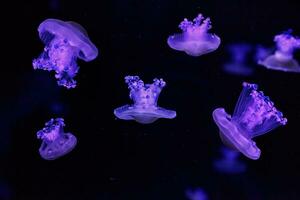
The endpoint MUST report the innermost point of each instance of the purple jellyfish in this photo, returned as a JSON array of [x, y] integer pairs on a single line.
[[64, 43], [254, 114], [195, 39], [238, 65], [197, 194], [55, 143], [283, 59], [145, 109], [229, 163]]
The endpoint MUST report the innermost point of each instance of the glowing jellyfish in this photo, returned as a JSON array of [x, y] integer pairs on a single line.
[[238, 64], [254, 114], [64, 43], [195, 39], [197, 194], [229, 163], [283, 59], [145, 109], [55, 143]]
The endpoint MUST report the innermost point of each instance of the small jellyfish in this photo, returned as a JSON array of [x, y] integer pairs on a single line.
[[283, 59], [144, 109], [55, 143], [238, 64], [195, 39], [64, 43], [197, 194], [229, 163], [254, 115]]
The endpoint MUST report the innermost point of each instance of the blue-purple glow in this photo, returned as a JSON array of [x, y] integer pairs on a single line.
[[144, 109], [229, 163], [262, 53], [238, 63], [196, 194], [254, 114], [195, 39], [64, 43], [55, 143], [283, 59]]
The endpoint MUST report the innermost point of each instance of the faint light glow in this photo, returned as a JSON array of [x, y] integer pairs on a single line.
[[229, 163], [238, 63], [196, 194]]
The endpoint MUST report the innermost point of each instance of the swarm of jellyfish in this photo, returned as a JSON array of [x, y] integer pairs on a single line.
[[195, 40], [56, 142], [229, 163], [196, 194], [64, 43], [144, 109], [283, 58], [254, 114], [238, 63]]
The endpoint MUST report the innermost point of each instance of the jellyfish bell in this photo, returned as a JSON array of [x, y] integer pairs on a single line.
[[64, 43], [55, 143], [254, 114], [71, 31], [78, 27], [145, 96], [234, 138], [195, 39], [143, 115], [283, 59]]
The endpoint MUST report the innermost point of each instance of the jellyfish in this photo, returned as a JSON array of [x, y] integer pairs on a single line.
[[197, 194], [229, 163], [254, 115], [55, 143], [64, 43], [195, 39], [238, 64], [283, 59], [144, 109]]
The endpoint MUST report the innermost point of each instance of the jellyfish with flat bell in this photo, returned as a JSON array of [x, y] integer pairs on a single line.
[[238, 63], [64, 43], [229, 163], [145, 96], [55, 143], [195, 40], [283, 59], [254, 115]]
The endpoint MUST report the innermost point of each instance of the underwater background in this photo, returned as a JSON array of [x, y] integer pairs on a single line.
[[124, 160]]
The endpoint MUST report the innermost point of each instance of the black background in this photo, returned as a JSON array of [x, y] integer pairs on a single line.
[[117, 159]]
